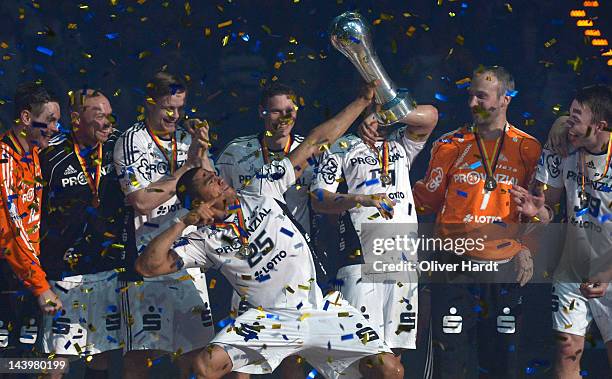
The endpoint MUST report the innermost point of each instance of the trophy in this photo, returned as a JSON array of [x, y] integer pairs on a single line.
[[351, 36]]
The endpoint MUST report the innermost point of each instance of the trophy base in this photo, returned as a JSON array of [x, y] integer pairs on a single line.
[[396, 109]]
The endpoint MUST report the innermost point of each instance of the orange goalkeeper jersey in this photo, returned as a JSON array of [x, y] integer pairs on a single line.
[[20, 199], [453, 188]]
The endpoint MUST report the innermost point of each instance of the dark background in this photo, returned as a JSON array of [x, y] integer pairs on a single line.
[[116, 45]]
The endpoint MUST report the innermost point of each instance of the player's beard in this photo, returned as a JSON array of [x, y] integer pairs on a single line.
[[482, 116]]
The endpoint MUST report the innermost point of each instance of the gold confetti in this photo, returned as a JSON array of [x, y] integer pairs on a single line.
[[550, 42], [508, 7], [224, 24], [410, 31], [304, 316], [213, 283], [460, 40]]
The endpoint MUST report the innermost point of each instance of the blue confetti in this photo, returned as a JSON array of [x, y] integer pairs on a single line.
[[326, 305], [245, 37], [355, 40], [44, 50], [226, 321], [461, 193], [111, 308], [300, 305], [273, 317], [527, 115], [464, 85], [475, 165], [511, 93], [606, 217], [440, 97], [529, 370], [347, 337], [319, 194], [112, 35], [582, 212], [263, 278], [312, 374], [371, 182], [584, 373], [287, 232]]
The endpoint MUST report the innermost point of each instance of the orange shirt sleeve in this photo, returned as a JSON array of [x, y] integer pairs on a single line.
[[430, 192], [531, 149], [16, 247]]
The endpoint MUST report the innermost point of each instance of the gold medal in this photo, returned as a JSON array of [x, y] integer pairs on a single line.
[[490, 183], [385, 179], [95, 201]]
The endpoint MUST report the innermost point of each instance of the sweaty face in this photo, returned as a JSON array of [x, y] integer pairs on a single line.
[[280, 115], [484, 102], [164, 115], [95, 122], [582, 130], [43, 126]]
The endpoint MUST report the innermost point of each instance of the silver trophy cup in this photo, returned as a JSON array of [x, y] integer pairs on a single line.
[[350, 35]]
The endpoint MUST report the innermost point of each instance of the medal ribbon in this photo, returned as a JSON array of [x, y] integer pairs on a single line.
[[171, 158], [92, 182], [383, 157], [240, 229], [608, 157], [16, 143], [266, 151], [490, 166]]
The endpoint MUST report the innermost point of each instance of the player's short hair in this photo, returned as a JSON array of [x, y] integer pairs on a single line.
[[77, 98], [32, 96], [503, 76], [275, 89], [598, 98], [163, 84], [185, 190]]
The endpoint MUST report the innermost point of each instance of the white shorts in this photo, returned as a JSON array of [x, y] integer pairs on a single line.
[[89, 322], [332, 339], [390, 306], [168, 313], [572, 312]]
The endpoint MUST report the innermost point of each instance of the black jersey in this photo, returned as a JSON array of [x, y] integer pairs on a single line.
[[78, 235]]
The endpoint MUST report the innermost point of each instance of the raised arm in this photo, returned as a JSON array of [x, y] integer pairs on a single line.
[[329, 131], [145, 196]]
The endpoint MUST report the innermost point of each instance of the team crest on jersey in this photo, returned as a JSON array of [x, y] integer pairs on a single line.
[[552, 165], [328, 170]]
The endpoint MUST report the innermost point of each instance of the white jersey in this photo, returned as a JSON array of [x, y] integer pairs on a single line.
[[139, 162], [280, 272], [243, 157], [351, 159], [588, 243]]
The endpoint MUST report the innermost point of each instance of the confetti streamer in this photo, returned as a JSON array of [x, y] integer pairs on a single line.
[[44, 50]]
